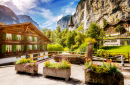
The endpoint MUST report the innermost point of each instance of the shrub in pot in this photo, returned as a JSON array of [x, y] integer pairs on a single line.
[[26, 65], [108, 73], [61, 69]]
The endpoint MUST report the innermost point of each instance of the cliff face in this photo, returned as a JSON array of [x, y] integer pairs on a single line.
[[63, 22], [26, 18], [7, 16], [97, 10]]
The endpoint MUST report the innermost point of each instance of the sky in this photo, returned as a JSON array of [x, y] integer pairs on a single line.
[[45, 12]]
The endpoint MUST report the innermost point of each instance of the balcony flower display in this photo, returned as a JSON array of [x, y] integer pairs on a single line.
[[26, 65], [61, 69], [108, 73]]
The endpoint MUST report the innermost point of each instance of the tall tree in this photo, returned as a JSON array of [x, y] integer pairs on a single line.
[[120, 29]]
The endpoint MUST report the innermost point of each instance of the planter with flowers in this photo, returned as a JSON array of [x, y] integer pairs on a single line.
[[108, 73], [26, 65], [61, 69]]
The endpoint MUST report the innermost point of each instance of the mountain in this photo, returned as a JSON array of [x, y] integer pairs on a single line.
[[97, 10], [63, 22], [26, 18], [7, 16]]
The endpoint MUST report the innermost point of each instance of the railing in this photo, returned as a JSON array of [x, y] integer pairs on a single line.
[[106, 55], [50, 53], [112, 55]]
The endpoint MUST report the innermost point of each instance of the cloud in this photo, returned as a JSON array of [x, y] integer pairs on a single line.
[[45, 1], [22, 6], [59, 17], [69, 9]]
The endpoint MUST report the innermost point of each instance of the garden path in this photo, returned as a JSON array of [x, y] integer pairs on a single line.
[[8, 76]]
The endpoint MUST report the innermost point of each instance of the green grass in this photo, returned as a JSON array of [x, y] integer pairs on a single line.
[[113, 50], [116, 48]]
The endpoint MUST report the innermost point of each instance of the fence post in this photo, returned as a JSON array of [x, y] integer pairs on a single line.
[[128, 56], [106, 55], [58, 52], [43, 55], [30, 57]]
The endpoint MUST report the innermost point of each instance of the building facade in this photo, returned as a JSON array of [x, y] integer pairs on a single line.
[[21, 39], [117, 38]]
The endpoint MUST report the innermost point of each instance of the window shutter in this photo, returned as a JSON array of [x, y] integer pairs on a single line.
[[37, 38], [15, 37], [22, 48], [45, 47], [3, 48], [27, 47], [22, 37], [38, 47], [33, 47], [34, 39], [12, 48], [27, 38], [42, 47], [4, 35]]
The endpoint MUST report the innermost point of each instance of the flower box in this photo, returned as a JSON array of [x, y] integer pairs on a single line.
[[28, 69], [104, 78], [62, 73]]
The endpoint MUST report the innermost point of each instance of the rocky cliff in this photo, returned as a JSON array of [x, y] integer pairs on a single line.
[[7, 16], [97, 10], [26, 18], [63, 22]]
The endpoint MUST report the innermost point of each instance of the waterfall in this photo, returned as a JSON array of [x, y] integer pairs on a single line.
[[85, 17]]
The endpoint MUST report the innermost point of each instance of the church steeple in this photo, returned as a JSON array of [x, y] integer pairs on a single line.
[[71, 24]]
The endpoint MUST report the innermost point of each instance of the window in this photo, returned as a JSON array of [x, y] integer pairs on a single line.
[[35, 38], [30, 38], [9, 36], [35, 47], [30, 47], [18, 37], [8, 48], [18, 48]]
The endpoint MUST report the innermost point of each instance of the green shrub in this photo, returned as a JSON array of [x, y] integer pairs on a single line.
[[61, 65], [23, 61], [101, 53], [83, 48], [66, 49], [56, 47]]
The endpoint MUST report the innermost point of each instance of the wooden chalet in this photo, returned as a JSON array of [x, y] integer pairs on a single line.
[[109, 29], [21, 39], [117, 39]]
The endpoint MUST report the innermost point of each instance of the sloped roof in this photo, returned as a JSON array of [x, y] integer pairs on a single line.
[[31, 25], [116, 23], [2, 24]]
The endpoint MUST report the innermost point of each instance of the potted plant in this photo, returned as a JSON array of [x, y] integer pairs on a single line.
[[108, 73], [26, 65], [61, 69]]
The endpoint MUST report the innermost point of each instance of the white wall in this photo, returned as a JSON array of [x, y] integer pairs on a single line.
[[9, 60]]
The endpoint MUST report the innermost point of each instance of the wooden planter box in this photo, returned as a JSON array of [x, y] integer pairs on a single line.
[[79, 60], [104, 78], [20, 68], [62, 73]]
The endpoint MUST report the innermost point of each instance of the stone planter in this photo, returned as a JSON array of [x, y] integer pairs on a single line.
[[104, 78], [79, 60], [62, 73], [20, 68]]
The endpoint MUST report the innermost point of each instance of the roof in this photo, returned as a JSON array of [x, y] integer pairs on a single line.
[[71, 22], [116, 23], [2, 24], [31, 25]]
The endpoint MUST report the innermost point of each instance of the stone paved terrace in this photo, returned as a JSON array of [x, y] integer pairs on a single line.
[[8, 76]]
